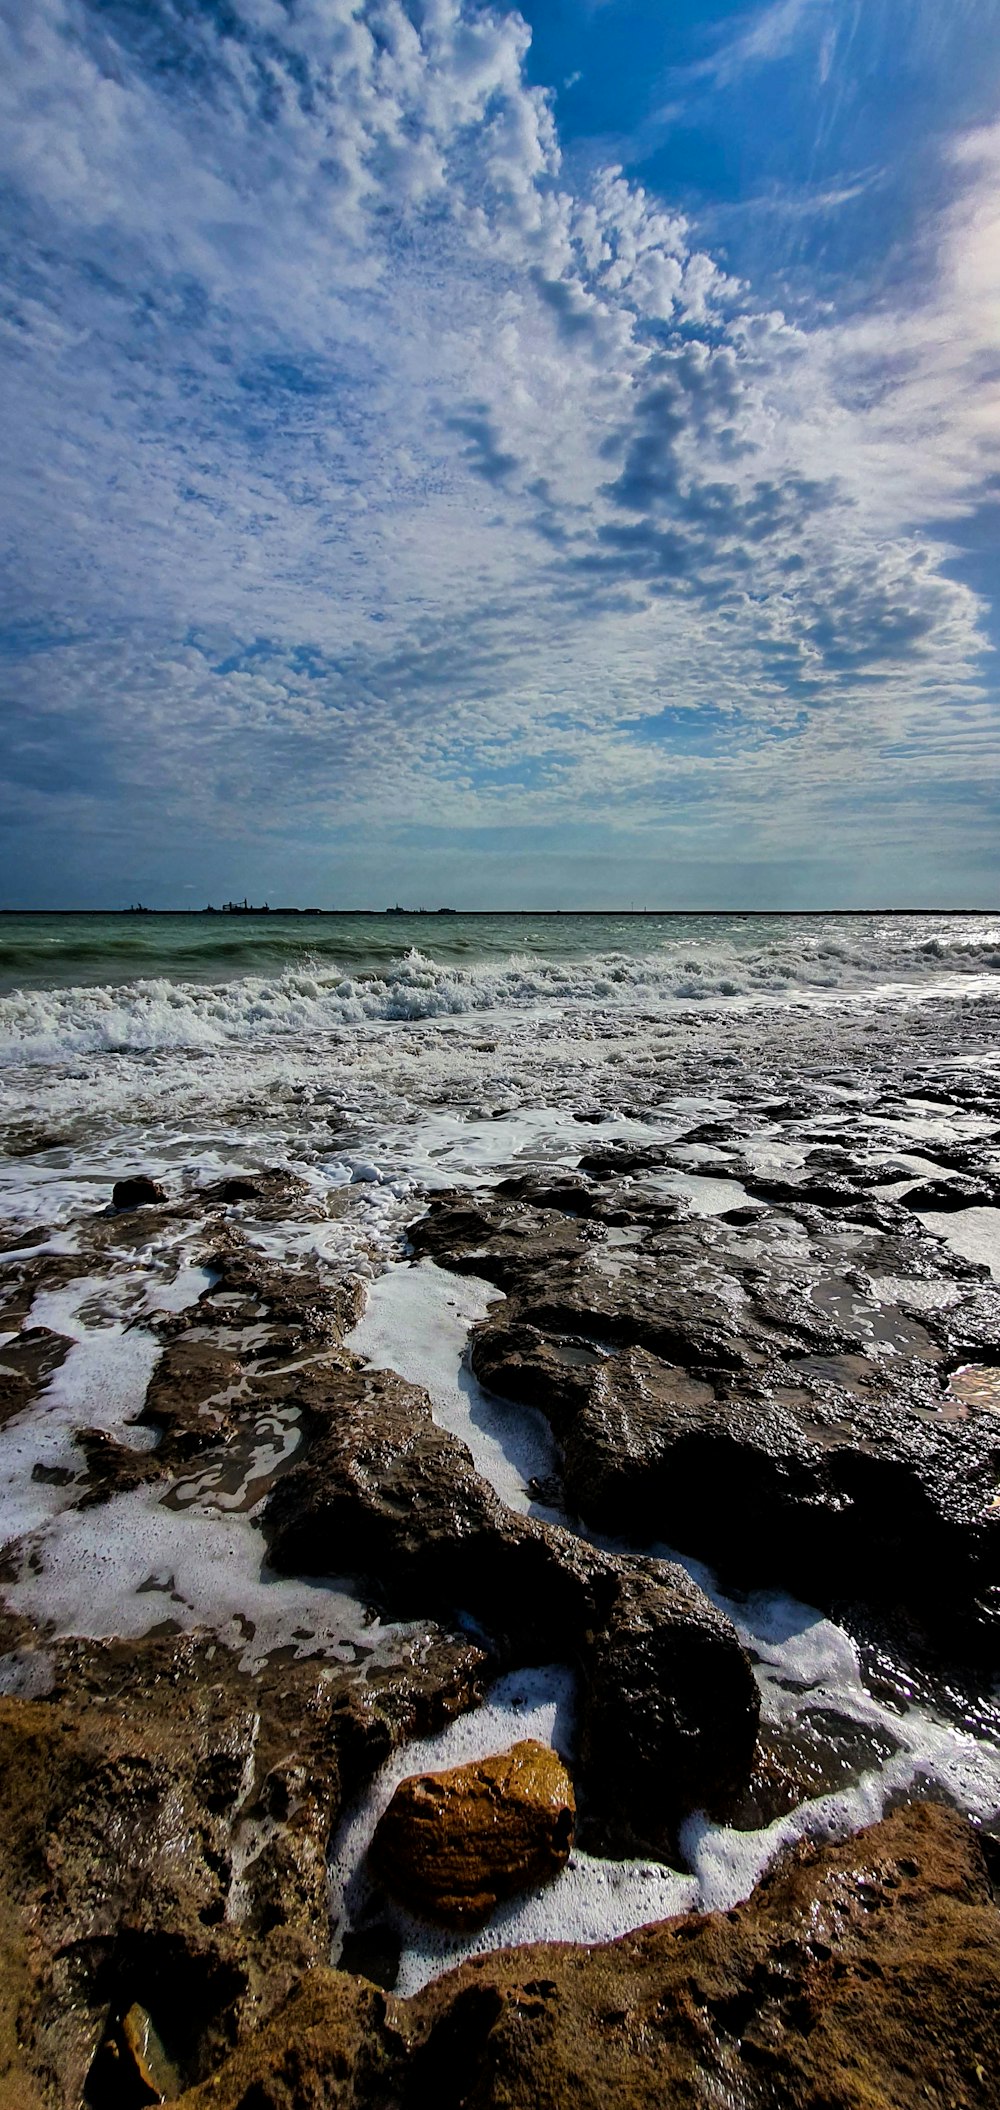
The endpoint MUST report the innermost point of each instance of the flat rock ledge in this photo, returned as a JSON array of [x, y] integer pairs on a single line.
[[858, 1976], [770, 1395], [669, 1704], [452, 1844]]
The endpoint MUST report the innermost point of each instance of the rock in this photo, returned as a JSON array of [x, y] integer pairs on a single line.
[[192, 1373], [857, 1976], [660, 1733], [279, 1196], [766, 1396], [332, 2047], [299, 1308], [385, 1494], [451, 1845], [239, 1188], [948, 1195], [26, 1365], [136, 1192], [132, 2066], [164, 1820], [519, 1236]]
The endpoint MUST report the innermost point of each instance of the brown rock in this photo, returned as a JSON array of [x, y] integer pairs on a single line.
[[26, 1365], [861, 1976], [132, 2067], [164, 1819], [451, 1845]]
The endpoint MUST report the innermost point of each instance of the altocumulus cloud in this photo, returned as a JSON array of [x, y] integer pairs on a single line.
[[370, 465]]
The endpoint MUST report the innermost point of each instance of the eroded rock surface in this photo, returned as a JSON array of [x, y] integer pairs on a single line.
[[452, 1844], [26, 1364], [770, 1395], [777, 1390], [166, 1819], [858, 1976]]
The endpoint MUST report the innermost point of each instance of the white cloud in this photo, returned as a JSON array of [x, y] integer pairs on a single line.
[[354, 451]]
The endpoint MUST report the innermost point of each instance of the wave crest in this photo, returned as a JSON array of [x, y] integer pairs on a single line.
[[317, 997]]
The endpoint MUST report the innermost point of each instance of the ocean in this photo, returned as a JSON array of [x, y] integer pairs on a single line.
[[374, 1062]]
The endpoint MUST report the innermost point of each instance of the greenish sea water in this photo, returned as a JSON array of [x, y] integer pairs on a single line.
[[53, 951]]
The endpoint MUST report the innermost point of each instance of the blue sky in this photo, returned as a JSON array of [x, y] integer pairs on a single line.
[[500, 457]]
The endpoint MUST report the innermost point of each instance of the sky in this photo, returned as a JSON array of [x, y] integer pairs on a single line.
[[541, 458]]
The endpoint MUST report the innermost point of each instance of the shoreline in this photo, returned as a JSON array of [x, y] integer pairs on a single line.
[[646, 1306]]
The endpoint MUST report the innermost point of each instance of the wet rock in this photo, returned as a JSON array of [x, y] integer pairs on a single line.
[[838, 1190], [164, 1818], [134, 1193], [769, 1396], [383, 1493], [239, 1188], [284, 1310], [668, 1718], [26, 1365], [944, 1196], [26, 1140], [278, 1195], [856, 1975], [820, 1752], [15, 1238], [518, 1236], [335, 2046], [25, 1275], [452, 1844], [627, 1158], [132, 2066], [197, 1393]]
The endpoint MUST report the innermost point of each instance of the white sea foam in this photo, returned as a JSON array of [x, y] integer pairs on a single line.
[[974, 1233], [417, 1321], [133, 1565], [716, 963], [101, 1385]]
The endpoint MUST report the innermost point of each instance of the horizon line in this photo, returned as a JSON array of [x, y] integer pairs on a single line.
[[390, 914]]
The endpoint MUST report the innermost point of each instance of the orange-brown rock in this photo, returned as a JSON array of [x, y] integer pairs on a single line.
[[861, 1976], [452, 1844], [164, 1818]]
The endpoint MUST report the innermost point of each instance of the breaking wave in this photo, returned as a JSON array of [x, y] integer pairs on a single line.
[[718, 963]]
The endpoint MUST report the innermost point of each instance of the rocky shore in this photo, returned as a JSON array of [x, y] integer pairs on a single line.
[[248, 1567]]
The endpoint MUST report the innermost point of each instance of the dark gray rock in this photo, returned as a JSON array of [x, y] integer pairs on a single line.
[[134, 1193], [769, 1396]]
